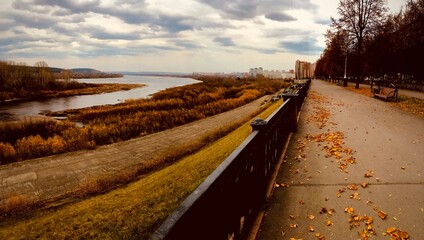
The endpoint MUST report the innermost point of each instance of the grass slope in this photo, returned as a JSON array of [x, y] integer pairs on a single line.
[[133, 211]]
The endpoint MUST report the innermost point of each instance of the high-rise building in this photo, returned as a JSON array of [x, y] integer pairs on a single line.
[[303, 69], [254, 72]]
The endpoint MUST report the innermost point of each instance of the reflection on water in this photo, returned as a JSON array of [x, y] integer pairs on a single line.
[[18, 110]]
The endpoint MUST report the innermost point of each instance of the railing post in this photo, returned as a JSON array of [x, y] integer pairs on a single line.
[[261, 126], [294, 109]]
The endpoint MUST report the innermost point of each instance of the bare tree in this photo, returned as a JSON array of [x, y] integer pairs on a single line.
[[44, 74], [360, 19], [65, 75]]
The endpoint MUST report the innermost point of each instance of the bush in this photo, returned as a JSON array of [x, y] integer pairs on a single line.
[[7, 153]]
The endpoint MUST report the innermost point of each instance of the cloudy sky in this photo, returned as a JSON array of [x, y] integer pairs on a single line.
[[166, 35]]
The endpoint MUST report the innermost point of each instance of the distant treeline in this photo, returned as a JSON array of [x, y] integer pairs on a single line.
[[17, 80], [391, 52], [78, 75], [134, 118]]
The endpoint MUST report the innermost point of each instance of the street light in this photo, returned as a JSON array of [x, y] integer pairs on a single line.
[[345, 65]]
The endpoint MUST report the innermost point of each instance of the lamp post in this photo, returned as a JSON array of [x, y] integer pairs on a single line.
[[345, 68]]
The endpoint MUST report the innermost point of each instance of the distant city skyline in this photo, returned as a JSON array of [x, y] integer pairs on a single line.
[[166, 36]]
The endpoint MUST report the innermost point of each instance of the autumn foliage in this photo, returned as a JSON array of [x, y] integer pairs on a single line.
[[134, 118]]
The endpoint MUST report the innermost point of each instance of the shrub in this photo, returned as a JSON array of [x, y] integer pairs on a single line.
[[7, 153]]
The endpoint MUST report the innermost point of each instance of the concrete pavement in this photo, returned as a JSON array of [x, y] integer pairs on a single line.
[[344, 140]]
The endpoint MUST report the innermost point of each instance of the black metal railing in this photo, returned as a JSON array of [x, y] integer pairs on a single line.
[[226, 204]]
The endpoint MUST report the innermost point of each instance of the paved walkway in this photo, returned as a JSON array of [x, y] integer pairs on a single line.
[[56, 175], [363, 141]]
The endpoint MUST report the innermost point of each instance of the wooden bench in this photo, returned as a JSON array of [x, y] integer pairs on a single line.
[[386, 93]]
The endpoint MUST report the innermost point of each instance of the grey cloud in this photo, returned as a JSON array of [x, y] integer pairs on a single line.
[[131, 12], [128, 16], [186, 44], [326, 22], [239, 9], [64, 31], [5, 42], [33, 20], [61, 12], [246, 9], [6, 24], [174, 23], [269, 51], [131, 51], [281, 17], [284, 32], [307, 47], [73, 6], [224, 41], [135, 14], [101, 34]]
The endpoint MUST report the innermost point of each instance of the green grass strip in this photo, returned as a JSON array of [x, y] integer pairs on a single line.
[[133, 211]]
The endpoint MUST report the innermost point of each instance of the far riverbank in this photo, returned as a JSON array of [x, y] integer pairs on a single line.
[[113, 91], [91, 88]]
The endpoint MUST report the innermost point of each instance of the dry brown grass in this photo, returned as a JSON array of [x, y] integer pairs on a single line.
[[408, 104], [18, 205]]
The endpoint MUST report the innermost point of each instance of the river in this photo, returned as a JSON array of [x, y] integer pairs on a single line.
[[20, 110]]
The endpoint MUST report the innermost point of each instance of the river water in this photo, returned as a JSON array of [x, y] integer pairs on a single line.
[[19, 110]]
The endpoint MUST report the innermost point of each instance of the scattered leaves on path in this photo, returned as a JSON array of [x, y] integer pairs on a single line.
[[332, 143], [366, 91], [349, 210], [397, 234], [355, 221], [369, 174], [381, 214], [319, 236], [293, 225], [320, 114], [329, 212], [355, 195]]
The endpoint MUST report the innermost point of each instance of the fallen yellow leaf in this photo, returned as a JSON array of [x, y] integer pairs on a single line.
[[293, 225], [349, 210], [403, 234], [382, 214], [319, 236]]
